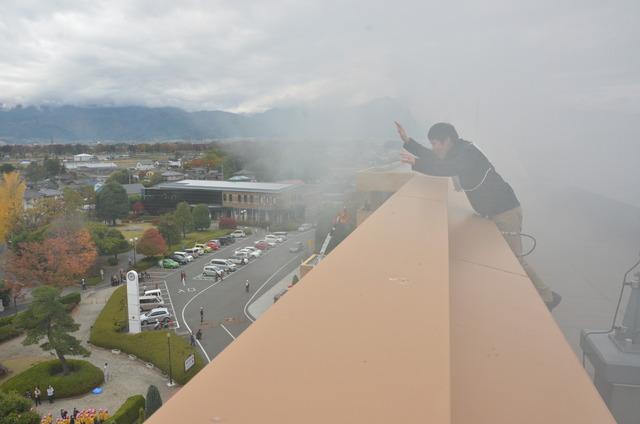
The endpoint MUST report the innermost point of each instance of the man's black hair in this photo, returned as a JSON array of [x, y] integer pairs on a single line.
[[442, 131]]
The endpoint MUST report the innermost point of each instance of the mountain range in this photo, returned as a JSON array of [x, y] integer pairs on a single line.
[[139, 123]]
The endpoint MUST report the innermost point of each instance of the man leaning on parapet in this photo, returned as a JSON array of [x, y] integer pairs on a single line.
[[489, 194]]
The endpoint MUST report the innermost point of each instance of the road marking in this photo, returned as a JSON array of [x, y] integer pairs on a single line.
[[228, 332], [185, 321], [172, 308], [246, 312]]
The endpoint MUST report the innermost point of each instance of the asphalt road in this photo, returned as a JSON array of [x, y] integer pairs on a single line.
[[225, 302]]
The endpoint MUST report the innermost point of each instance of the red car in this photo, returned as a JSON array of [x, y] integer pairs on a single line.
[[213, 244], [262, 245]]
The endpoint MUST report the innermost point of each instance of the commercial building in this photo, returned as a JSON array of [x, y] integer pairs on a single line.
[[246, 201]]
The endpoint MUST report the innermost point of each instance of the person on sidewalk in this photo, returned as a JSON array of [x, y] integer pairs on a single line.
[[192, 339], [101, 274], [105, 370], [50, 393], [246, 286], [36, 396], [199, 334], [201, 314], [83, 283], [489, 194]]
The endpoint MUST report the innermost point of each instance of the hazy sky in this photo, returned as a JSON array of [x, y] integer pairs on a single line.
[[252, 55]]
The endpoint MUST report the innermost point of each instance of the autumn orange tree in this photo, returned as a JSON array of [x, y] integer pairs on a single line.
[[11, 193], [59, 261], [152, 243]]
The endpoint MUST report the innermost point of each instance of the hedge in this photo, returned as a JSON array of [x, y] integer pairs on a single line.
[[128, 411], [83, 378], [71, 300], [8, 332], [150, 346]]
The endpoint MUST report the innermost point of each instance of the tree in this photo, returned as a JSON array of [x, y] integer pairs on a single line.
[[152, 243], [57, 261], [73, 200], [108, 241], [48, 317], [153, 401], [43, 212], [52, 167], [112, 202], [184, 217], [295, 280], [121, 176], [11, 194], [201, 217], [5, 168], [35, 172], [169, 228], [137, 207], [141, 416], [16, 409]]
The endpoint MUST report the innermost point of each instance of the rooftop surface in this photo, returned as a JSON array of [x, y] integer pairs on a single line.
[[225, 185], [438, 324]]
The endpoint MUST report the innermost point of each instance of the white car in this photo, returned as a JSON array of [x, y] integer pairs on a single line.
[[224, 263], [194, 251], [213, 271], [255, 252], [187, 256], [239, 259], [238, 234], [305, 227], [155, 315], [273, 237], [281, 234]]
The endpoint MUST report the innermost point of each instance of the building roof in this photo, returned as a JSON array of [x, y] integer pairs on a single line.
[[90, 165], [172, 174], [83, 155], [226, 186], [133, 188], [445, 327]]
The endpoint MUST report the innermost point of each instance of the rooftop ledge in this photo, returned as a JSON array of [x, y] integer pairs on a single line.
[[422, 315]]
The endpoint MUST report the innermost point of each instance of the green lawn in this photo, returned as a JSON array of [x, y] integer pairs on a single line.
[[152, 346], [132, 230]]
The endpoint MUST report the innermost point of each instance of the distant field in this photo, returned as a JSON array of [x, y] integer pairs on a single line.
[[133, 230]]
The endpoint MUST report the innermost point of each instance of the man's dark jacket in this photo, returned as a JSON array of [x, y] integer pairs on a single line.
[[487, 192]]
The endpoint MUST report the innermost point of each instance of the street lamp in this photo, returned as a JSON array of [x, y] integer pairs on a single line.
[[134, 241], [170, 383]]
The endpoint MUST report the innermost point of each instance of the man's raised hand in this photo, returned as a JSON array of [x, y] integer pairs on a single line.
[[407, 158], [402, 132]]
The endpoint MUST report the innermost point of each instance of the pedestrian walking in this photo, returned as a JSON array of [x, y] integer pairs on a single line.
[[246, 286], [101, 274], [201, 314], [199, 334], [36, 395], [192, 339], [184, 277], [130, 261], [105, 369], [83, 283], [50, 393]]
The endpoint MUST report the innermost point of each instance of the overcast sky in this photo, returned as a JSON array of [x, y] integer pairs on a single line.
[[252, 55]]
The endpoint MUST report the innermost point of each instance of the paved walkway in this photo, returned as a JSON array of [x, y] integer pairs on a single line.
[[264, 302], [128, 377]]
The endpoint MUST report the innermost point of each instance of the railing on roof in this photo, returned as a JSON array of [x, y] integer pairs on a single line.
[[421, 315]]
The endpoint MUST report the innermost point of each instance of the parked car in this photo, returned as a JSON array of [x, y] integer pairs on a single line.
[[243, 254], [155, 315], [179, 258], [239, 260], [262, 245], [187, 256], [153, 292], [169, 263], [305, 227], [226, 240], [213, 244], [253, 251], [193, 251], [281, 234], [238, 234], [203, 247], [297, 247], [224, 263], [149, 302], [274, 238], [213, 271]]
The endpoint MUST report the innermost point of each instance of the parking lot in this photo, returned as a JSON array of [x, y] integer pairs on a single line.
[[224, 302]]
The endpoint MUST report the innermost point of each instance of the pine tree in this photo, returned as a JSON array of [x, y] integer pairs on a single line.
[[201, 217], [183, 217], [153, 401]]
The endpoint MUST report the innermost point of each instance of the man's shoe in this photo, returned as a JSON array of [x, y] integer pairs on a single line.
[[554, 302]]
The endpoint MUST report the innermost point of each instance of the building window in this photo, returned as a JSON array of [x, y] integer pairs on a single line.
[[224, 197], [245, 198], [251, 198]]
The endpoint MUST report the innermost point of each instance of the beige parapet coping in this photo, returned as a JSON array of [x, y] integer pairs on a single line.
[[421, 315]]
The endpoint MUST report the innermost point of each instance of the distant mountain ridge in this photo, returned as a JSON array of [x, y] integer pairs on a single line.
[[137, 123]]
